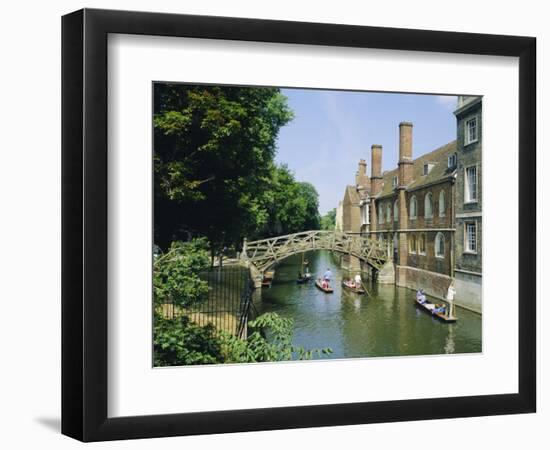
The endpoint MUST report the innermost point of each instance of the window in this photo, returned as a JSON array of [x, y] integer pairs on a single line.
[[451, 161], [425, 169], [412, 243], [470, 237], [365, 210], [395, 211], [470, 132], [388, 213], [442, 203], [394, 182], [428, 205], [380, 213], [422, 244], [439, 245], [413, 207], [470, 184]]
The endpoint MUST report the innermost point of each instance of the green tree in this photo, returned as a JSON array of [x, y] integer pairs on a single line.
[[213, 155], [292, 206], [328, 221], [176, 274], [180, 342], [176, 281]]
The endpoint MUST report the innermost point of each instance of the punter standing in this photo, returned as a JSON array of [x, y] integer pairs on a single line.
[[327, 276]]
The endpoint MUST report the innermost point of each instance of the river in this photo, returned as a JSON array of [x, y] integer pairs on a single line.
[[386, 323]]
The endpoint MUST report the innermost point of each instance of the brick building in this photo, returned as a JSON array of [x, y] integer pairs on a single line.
[[427, 211]]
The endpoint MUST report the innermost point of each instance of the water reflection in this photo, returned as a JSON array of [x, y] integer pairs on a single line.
[[386, 323]]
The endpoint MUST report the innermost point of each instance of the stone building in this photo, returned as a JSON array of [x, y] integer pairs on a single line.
[[427, 211], [468, 202]]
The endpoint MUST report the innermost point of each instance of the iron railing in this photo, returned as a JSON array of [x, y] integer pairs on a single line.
[[228, 306]]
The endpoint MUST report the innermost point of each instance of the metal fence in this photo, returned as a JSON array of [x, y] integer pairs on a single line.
[[229, 304]]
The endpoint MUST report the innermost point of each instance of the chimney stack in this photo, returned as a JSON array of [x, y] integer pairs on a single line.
[[376, 169], [405, 153], [361, 179], [362, 167]]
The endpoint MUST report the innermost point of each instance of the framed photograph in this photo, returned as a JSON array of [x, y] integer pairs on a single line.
[[273, 224]]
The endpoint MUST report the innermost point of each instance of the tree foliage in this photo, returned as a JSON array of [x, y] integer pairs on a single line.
[[269, 339], [176, 281], [328, 221], [291, 206], [213, 155], [180, 342], [176, 274]]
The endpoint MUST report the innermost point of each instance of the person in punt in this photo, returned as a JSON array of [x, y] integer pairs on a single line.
[[421, 296]]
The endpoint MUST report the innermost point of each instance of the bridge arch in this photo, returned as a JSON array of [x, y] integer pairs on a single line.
[[264, 253]]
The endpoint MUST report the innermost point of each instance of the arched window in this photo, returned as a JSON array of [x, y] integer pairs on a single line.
[[442, 203], [439, 245], [413, 207], [428, 205], [412, 243], [422, 244], [395, 211], [388, 213], [380, 213]]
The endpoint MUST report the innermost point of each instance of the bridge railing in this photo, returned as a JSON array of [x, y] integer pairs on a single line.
[[265, 252]]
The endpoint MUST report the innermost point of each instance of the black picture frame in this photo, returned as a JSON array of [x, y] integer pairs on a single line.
[[84, 224]]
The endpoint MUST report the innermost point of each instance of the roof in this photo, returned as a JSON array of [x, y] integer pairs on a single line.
[[351, 195], [439, 172]]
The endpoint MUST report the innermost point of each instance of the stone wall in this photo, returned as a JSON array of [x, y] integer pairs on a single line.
[[434, 284], [468, 291]]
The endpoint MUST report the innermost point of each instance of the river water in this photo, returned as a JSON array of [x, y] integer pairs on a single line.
[[386, 323]]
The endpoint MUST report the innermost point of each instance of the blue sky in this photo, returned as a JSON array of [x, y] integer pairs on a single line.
[[332, 130]]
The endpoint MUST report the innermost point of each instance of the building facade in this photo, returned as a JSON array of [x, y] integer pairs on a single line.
[[469, 202], [426, 211]]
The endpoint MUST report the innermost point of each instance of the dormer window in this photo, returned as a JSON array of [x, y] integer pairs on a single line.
[[427, 168], [451, 161], [394, 182]]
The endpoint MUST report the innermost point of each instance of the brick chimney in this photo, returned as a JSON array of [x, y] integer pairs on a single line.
[[405, 153], [376, 169], [361, 178], [405, 165]]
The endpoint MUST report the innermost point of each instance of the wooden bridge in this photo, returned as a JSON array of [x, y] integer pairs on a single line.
[[261, 255]]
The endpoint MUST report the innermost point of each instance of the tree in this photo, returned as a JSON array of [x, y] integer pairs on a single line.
[[291, 206], [213, 156], [328, 221], [176, 274], [176, 281]]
